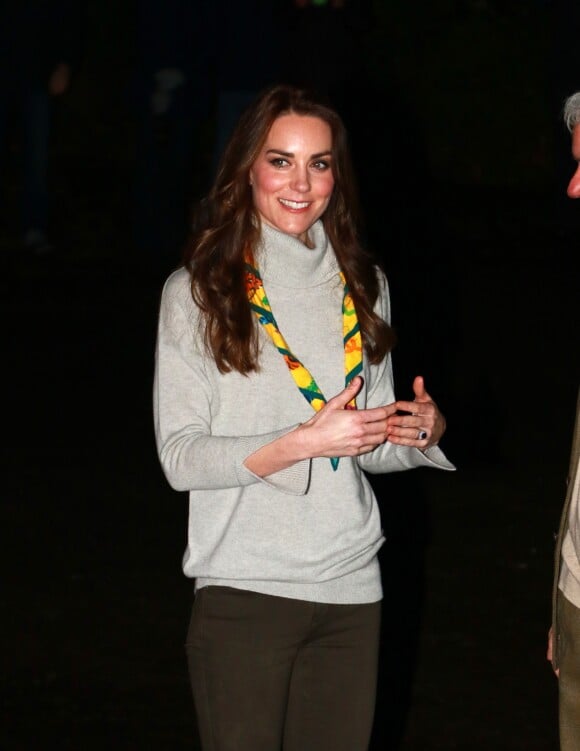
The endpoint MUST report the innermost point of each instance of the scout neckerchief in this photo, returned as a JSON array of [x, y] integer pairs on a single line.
[[301, 375]]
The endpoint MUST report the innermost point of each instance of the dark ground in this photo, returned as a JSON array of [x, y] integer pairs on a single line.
[[94, 604]]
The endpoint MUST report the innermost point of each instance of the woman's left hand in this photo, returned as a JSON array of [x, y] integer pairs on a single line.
[[418, 423]]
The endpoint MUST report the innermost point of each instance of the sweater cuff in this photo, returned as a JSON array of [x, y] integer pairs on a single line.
[[293, 480], [431, 457], [392, 457]]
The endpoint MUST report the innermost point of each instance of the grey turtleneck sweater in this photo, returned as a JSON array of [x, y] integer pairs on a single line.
[[307, 532]]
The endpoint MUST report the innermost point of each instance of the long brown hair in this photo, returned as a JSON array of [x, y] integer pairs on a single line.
[[226, 225]]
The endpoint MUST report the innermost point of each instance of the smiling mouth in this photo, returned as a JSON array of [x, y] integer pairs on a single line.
[[294, 204]]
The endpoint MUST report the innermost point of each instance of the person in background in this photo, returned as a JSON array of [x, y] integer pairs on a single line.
[[40, 51], [273, 397], [563, 25], [564, 635]]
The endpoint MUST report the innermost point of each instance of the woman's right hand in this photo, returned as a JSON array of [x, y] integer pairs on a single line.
[[336, 431]]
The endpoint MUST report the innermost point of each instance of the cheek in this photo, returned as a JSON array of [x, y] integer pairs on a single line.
[[266, 182], [574, 185], [326, 186]]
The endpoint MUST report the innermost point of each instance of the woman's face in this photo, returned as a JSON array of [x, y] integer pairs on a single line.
[[292, 178]]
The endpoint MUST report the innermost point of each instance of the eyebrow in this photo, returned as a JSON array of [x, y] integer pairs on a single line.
[[289, 153]]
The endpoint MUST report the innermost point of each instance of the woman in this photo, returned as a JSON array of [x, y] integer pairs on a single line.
[[273, 392]]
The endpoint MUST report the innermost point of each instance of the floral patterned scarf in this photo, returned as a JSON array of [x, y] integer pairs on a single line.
[[301, 375]]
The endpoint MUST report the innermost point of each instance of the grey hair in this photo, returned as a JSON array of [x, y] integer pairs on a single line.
[[571, 111]]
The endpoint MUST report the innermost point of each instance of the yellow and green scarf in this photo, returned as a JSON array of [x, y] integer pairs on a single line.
[[301, 375]]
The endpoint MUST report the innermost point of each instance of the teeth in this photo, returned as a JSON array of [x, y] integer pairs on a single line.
[[294, 204]]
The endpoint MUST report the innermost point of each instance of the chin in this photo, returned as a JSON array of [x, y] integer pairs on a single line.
[[296, 229]]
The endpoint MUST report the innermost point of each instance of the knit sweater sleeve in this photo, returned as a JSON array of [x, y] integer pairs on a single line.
[[390, 457], [191, 455]]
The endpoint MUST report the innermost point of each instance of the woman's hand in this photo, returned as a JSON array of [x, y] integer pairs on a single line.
[[338, 431], [418, 423], [334, 431]]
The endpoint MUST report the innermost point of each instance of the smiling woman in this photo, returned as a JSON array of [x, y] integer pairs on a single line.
[[292, 178], [273, 392]]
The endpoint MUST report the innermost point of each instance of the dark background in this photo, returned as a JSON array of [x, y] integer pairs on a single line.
[[463, 169]]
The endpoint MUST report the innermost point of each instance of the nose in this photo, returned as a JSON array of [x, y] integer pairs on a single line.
[[574, 184], [300, 181]]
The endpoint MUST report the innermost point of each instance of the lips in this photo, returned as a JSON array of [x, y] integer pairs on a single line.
[[294, 204]]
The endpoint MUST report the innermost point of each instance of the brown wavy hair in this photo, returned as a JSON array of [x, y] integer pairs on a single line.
[[225, 225]]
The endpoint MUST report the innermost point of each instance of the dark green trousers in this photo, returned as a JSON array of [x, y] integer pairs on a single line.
[[569, 680], [272, 674]]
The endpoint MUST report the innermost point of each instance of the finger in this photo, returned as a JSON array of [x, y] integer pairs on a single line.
[[409, 407], [369, 448], [419, 432], [411, 417], [404, 440], [421, 393], [376, 414], [400, 440], [346, 395], [419, 388]]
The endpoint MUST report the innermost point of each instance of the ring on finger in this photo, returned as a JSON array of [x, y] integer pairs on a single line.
[[421, 434]]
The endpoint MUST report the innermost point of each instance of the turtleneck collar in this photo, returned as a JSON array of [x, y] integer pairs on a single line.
[[285, 260]]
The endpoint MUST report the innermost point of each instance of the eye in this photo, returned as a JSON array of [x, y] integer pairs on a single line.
[[278, 162], [321, 165]]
